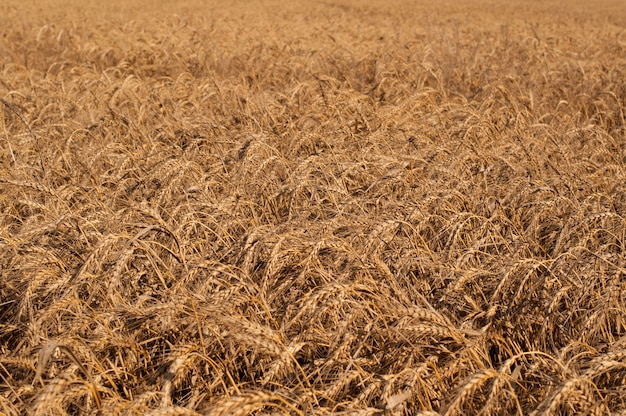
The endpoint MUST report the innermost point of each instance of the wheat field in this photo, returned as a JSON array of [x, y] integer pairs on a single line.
[[312, 208]]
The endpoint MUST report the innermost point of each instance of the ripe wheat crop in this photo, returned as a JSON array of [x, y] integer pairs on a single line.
[[340, 207]]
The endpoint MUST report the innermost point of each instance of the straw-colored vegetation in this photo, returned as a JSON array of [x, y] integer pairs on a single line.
[[384, 208]]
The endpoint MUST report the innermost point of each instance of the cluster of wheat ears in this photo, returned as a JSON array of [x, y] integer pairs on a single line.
[[388, 208]]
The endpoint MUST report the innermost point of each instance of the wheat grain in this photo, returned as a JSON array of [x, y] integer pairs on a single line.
[[379, 207]]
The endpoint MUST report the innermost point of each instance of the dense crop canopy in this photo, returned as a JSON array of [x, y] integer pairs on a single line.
[[341, 207]]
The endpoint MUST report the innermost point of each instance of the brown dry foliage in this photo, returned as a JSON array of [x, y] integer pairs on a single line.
[[321, 207]]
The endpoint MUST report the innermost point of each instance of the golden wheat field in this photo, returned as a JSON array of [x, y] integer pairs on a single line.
[[312, 208]]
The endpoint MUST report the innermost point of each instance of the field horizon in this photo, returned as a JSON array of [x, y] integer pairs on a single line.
[[312, 208]]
